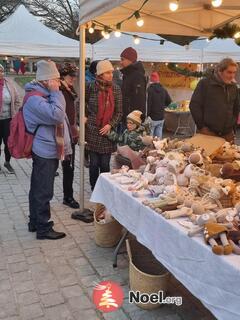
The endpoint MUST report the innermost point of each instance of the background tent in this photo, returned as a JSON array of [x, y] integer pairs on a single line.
[[23, 35], [216, 49], [148, 51]]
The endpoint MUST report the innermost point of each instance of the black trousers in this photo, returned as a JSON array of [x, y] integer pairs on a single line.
[[41, 192], [68, 175], [99, 163], [4, 134]]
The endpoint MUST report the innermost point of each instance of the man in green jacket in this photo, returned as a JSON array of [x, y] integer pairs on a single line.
[[215, 102]]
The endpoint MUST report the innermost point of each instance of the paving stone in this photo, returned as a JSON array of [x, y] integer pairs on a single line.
[[16, 258], [32, 311], [21, 287], [18, 267], [73, 291], [119, 315], [8, 310], [35, 259], [80, 303], [68, 280], [52, 299], [22, 276], [47, 286], [86, 314], [59, 312], [27, 298], [5, 285]]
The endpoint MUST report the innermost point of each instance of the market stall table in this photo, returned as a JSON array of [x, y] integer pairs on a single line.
[[215, 280]]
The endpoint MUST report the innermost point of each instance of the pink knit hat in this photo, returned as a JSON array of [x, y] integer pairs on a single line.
[[154, 77]]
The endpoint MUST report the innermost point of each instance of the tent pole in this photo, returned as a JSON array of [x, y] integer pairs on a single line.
[[82, 211], [82, 112]]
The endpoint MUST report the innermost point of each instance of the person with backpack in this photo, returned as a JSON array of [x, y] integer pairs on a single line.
[[68, 73], [45, 117], [104, 111], [158, 100], [9, 104]]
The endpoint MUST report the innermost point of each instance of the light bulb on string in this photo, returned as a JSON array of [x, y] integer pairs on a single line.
[[173, 5], [216, 3], [208, 40], [136, 39], [6, 58], [237, 35], [118, 32], [140, 21], [91, 28], [105, 33]]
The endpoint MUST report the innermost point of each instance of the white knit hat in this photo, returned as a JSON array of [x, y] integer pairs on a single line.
[[46, 70], [135, 116], [104, 66]]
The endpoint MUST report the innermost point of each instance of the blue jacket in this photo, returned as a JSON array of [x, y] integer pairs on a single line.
[[43, 115]]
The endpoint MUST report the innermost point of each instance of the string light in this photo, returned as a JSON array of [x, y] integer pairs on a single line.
[[118, 32], [6, 58], [237, 35], [91, 29], [105, 33], [208, 40], [166, 63], [140, 21], [216, 3], [136, 39], [173, 5]]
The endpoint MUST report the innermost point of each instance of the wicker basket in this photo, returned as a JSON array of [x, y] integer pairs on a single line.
[[146, 274], [106, 234]]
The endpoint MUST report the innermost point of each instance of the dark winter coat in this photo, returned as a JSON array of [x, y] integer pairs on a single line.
[[215, 105], [95, 141], [70, 98], [158, 99], [133, 89]]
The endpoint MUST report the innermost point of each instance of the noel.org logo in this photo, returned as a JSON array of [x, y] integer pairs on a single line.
[[108, 296]]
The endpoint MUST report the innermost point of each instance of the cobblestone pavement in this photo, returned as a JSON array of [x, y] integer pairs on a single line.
[[54, 279]]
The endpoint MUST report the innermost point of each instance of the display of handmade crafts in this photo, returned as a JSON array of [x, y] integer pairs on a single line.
[[179, 181]]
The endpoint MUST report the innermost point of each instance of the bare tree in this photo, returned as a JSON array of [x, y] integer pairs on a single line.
[[7, 8]]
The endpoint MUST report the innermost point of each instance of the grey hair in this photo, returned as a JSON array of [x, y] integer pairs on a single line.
[[225, 63]]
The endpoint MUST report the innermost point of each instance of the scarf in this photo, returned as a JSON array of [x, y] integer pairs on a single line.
[[1, 94], [105, 102]]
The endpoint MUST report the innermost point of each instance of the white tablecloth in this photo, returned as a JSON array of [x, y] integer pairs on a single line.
[[215, 280]]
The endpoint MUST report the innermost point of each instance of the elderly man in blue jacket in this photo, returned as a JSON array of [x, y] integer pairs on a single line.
[[44, 115]]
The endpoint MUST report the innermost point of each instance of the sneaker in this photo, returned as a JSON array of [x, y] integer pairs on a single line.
[[51, 235], [9, 167]]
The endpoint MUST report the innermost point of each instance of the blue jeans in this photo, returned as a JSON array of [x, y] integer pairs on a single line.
[[41, 192], [99, 163], [157, 128]]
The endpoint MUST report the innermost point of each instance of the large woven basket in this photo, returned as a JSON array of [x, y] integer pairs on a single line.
[[108, 234], [146, 274]]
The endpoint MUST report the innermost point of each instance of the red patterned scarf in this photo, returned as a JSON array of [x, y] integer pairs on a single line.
[[1, 94], [105, 102], [59, 135]]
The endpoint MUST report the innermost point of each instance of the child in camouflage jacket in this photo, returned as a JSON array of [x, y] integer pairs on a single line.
[[132, 135]]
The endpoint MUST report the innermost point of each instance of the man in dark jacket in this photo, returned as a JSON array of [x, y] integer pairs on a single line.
[[158, 99], [134, 83], [215, 102]]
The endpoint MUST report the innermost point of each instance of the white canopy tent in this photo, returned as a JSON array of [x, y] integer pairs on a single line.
[[148, 51], [193, 18], [216, 49], [23, 35]]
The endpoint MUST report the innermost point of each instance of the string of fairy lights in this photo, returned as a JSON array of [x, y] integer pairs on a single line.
[[137, 15]]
